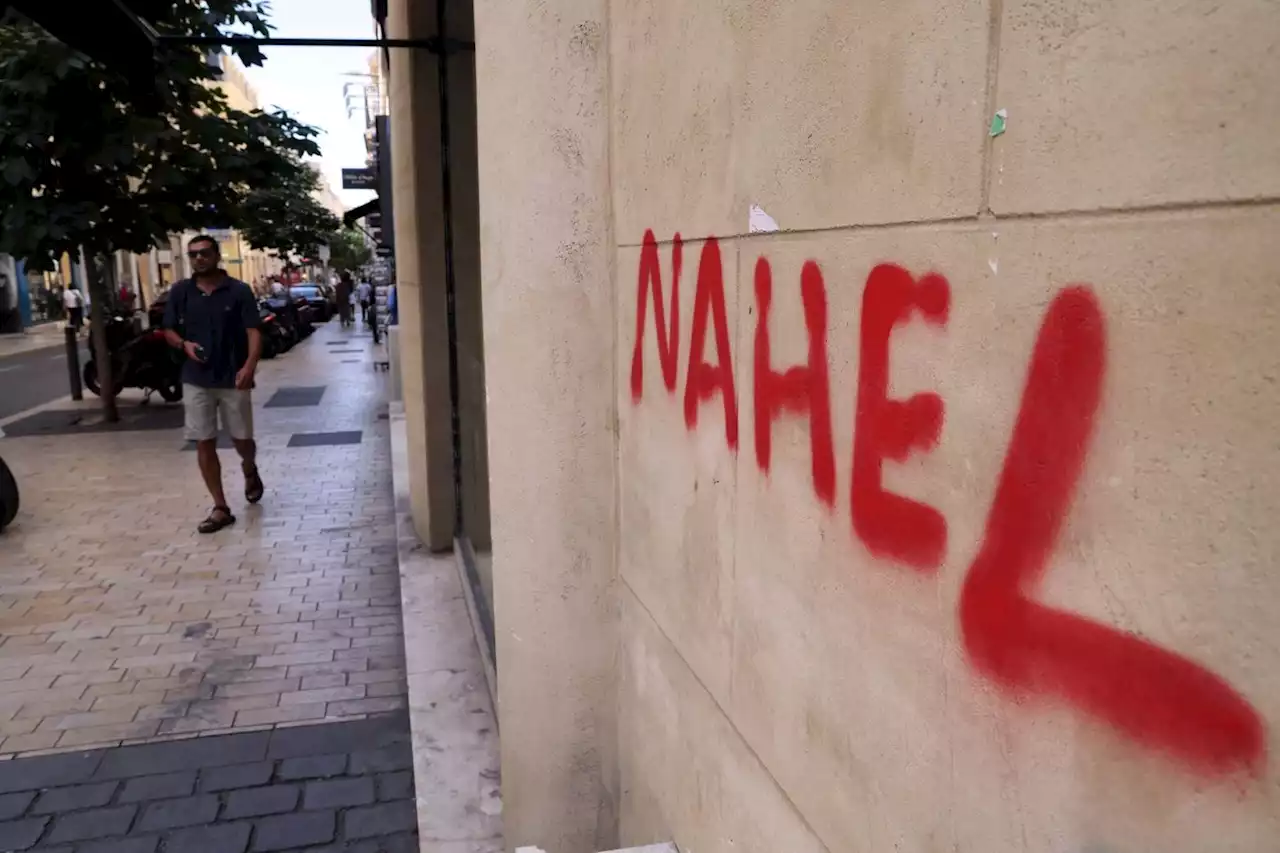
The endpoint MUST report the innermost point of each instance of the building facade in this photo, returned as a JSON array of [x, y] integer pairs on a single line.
[[870, 408]]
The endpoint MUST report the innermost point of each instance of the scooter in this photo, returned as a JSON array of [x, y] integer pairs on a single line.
[[8, 496], [274, 337], [143, 361], [286, 314]]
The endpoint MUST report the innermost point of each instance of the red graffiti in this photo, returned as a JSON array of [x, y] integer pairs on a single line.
[[668, 338], [1157, 697], [889, 524], [799, 389], [703, 379], [1160, 699]]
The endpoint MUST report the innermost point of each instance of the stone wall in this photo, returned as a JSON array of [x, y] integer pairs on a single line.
[[942, 516]]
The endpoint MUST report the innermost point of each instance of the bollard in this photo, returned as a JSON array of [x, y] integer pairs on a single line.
[[73, 363]]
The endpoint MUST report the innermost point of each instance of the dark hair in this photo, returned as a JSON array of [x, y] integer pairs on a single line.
[[205, 238]]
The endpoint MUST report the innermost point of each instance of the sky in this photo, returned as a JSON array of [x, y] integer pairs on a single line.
[[307, 81]]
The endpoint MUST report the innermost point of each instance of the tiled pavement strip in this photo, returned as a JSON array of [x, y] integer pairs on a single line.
[[122, 625], [329, 787]]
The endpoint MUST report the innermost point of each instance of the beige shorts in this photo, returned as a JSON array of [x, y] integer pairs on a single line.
[[205, 405]]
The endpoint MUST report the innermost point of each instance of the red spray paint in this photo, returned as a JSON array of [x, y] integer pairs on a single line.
[[668, 336], [1160, 699], [703, 379], [889, 524], [805, 388]]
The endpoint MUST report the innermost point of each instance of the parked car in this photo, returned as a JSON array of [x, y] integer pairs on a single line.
[[314, 298]]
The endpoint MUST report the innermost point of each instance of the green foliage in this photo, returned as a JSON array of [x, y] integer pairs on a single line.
[[348, 250], [284, 217], [82, 163]]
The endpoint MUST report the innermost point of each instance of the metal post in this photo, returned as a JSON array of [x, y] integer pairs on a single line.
[[73, 362]]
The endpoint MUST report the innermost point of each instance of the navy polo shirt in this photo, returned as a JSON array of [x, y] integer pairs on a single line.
[[217, 321]]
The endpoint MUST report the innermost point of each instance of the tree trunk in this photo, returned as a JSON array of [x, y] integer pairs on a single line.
[[99, 309]]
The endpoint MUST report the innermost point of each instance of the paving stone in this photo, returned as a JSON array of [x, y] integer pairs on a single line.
[[383, 819], [159, 787], [186, 811], [313, 767], [338, 793], [218, 838], [13, 805], [192, 753], [75, 797], [295, 830], [21, 834], [291, 397], [325, 439], [236, 776], [48, 771], [136, 844], [395, 786], [91, 824], [404, 843], [256, 802], [321, 740], [387, 759]]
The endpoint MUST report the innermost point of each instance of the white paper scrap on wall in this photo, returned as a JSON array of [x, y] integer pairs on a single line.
[[759, 221]]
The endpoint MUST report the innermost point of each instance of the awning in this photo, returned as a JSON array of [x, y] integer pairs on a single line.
[[350, 218], [102, 30]]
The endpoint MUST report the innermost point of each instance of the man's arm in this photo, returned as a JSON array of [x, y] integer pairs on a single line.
[[252, 321], [171, 335]]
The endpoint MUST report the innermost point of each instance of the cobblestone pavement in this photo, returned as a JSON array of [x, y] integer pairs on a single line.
[[121, 624], [329, 787]]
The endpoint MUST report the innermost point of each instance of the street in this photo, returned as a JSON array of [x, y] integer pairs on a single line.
[[33, 378]]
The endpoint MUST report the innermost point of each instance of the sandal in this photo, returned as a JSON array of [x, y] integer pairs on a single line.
[[219, 518], [253, 487]]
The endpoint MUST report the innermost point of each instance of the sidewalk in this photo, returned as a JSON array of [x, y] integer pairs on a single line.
[[38, 337], [121, 625]]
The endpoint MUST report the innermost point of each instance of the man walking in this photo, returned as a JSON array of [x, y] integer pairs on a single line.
[[214, 319]]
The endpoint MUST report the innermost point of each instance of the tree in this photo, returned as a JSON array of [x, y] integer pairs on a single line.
[[348, 251], [85, 161], [283, 216]]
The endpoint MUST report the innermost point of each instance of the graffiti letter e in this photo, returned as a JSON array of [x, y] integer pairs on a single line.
[[891, 525]]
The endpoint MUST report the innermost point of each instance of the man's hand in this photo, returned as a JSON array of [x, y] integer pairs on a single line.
[[244, 377], [190, 348]]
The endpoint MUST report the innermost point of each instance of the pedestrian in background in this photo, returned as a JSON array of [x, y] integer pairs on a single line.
[[365, 294], [344, 297], [214, 319], [73, 302]]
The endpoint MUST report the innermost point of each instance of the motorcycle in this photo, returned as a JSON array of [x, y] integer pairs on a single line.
[[286, 314], [275, 339], [8, 496], [143, 361]]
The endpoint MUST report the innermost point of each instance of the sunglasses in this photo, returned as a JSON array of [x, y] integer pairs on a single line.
[[200, 253]]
